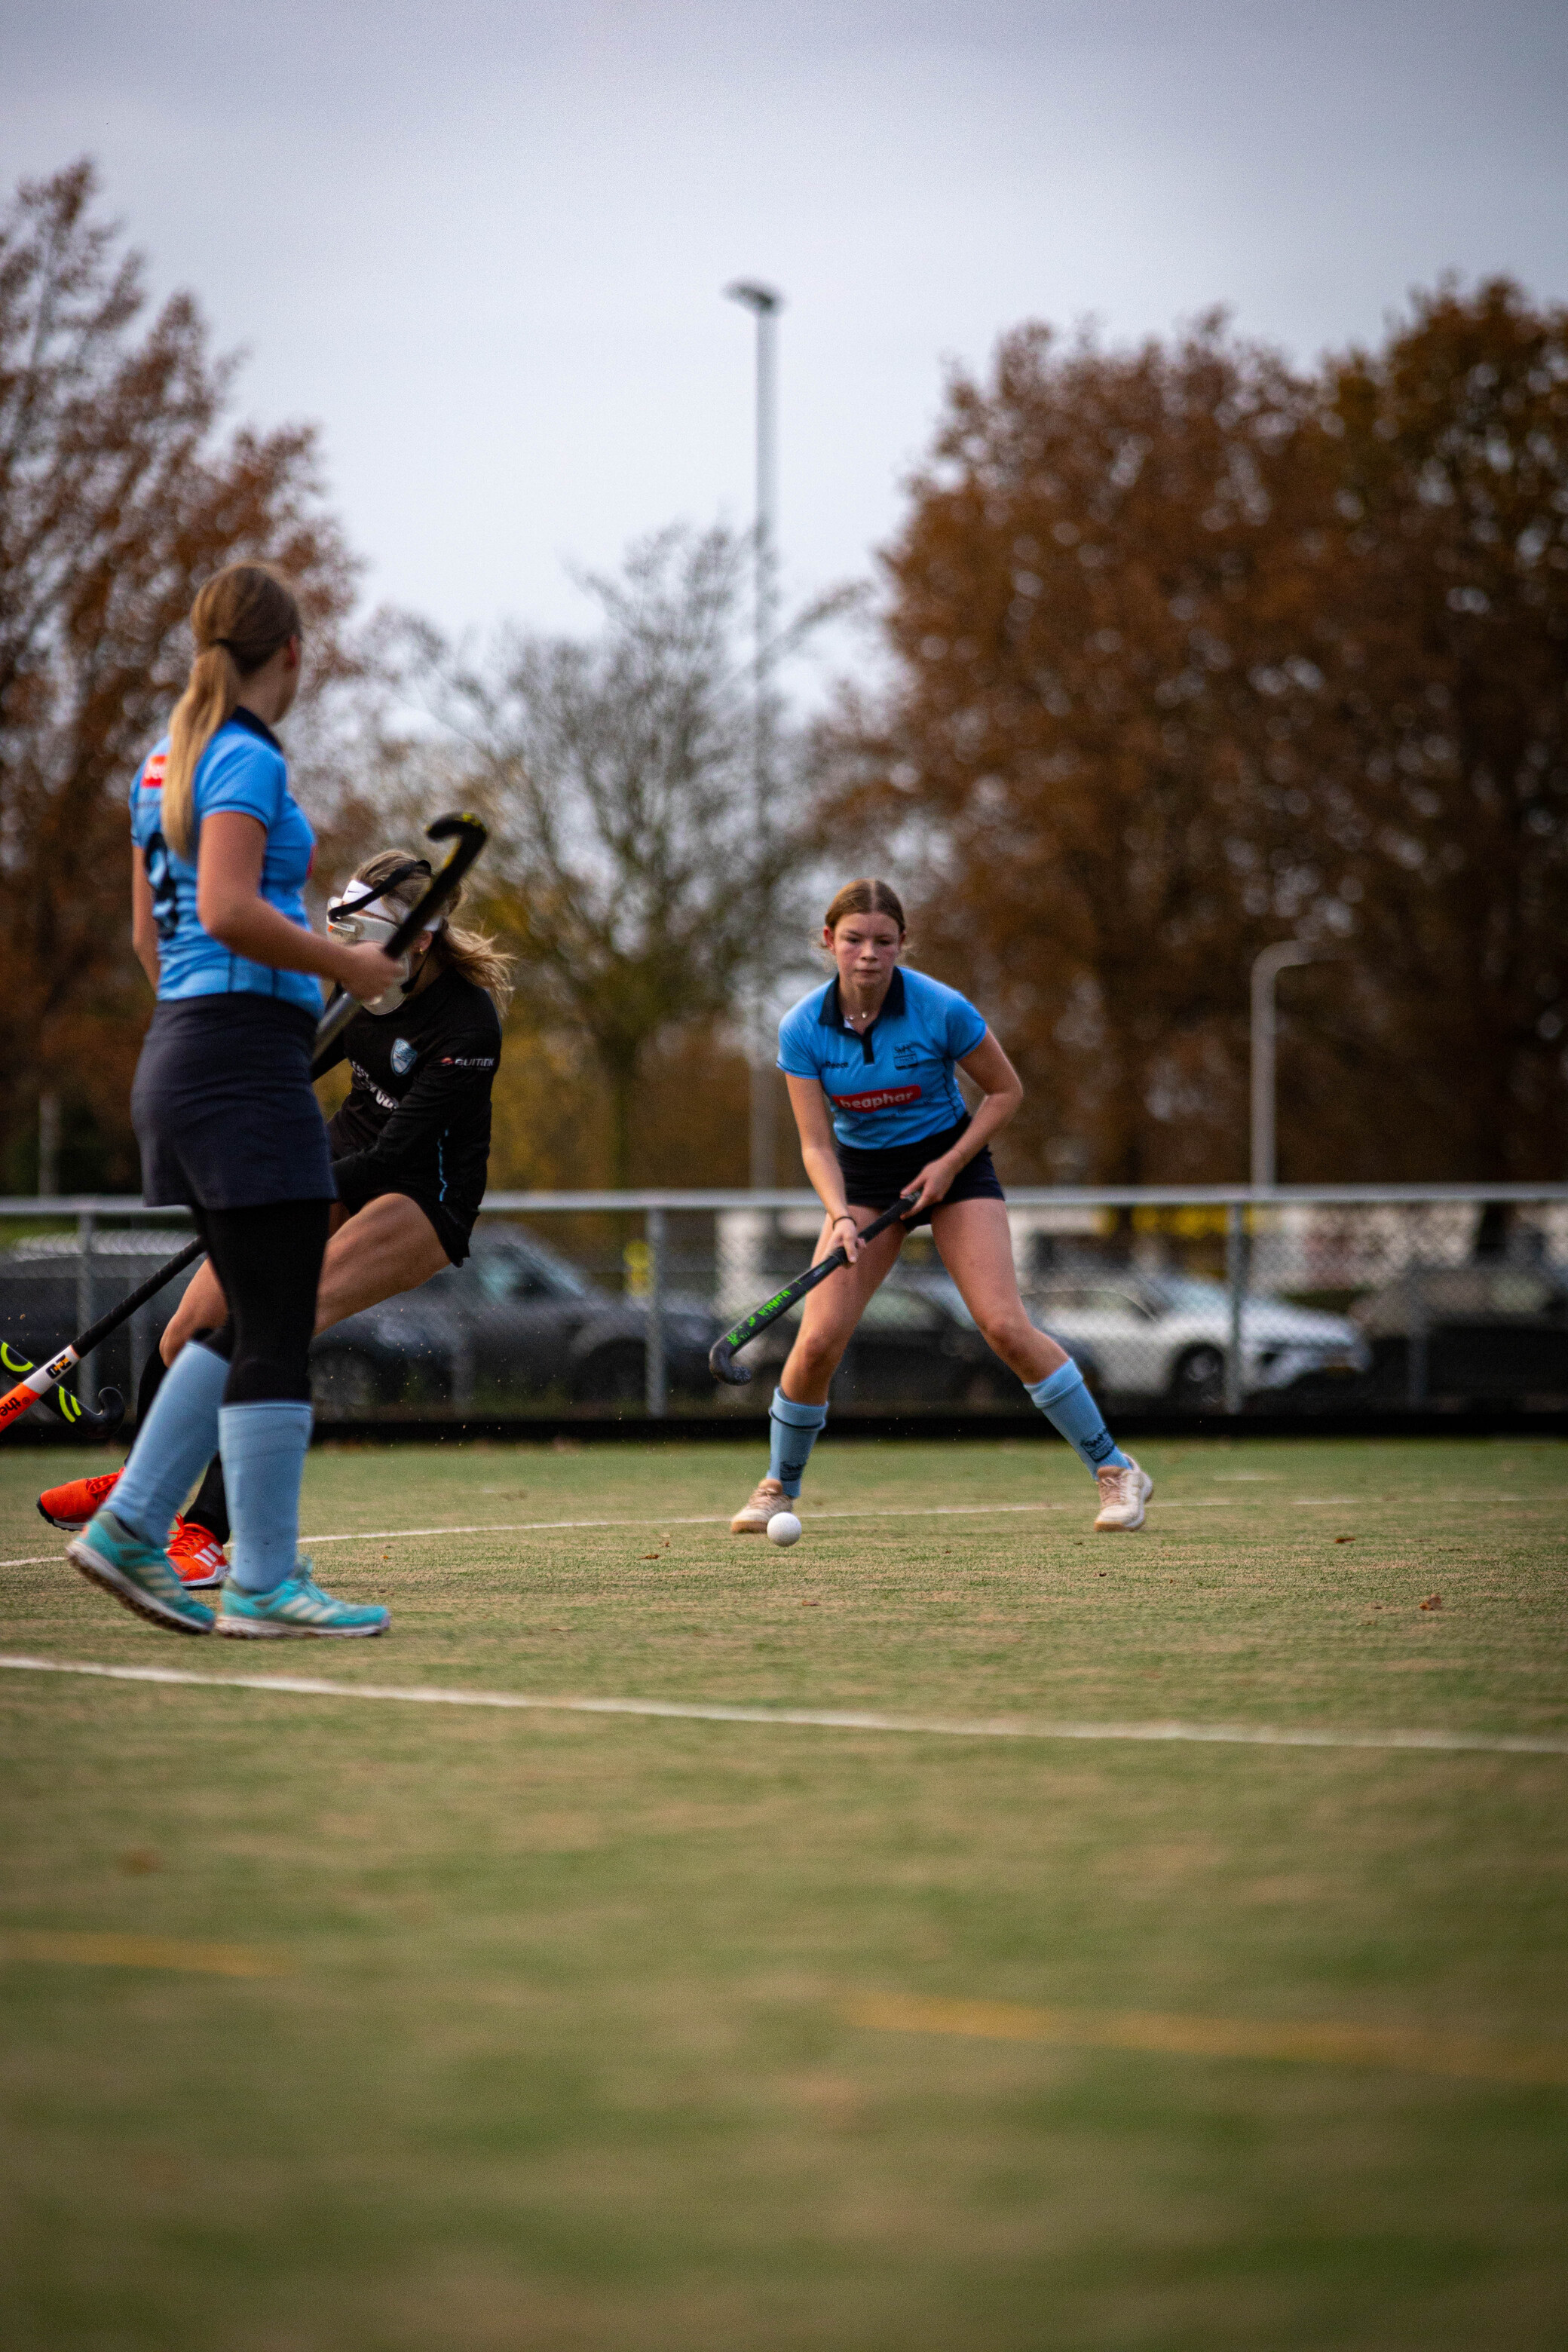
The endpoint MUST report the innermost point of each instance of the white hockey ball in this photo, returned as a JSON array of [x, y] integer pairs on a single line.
[[784, 1527]]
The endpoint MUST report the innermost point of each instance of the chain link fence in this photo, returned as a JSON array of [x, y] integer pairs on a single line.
[[1376, 1302]]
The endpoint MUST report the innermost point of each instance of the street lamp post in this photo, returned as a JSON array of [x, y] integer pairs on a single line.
[[1265, 969], [764, 302]]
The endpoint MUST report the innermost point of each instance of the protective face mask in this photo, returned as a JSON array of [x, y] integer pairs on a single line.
[[361, 922]]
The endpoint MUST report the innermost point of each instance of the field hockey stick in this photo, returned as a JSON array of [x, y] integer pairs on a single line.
[[721, 1354], [100, 1422], [38, 1385], [470, 837]]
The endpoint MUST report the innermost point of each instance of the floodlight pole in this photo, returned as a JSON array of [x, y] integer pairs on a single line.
[[1265, 969], [764, 302]]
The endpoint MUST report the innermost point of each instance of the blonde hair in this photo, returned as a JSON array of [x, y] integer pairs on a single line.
[[867, 897], [240, 618], [473, 953]]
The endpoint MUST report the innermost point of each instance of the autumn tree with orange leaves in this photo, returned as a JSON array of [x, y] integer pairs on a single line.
[[119, 495], [1194, 651]]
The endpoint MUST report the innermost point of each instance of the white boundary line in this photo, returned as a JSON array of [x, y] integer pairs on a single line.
[[871, 1511], [822, 1719]]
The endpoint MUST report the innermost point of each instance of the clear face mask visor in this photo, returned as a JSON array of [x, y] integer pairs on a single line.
[[358, 918]]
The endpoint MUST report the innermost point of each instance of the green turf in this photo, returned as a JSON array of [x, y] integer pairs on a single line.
[[560, 2058]]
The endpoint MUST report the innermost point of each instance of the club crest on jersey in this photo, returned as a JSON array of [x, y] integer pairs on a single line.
[[404, 1056]]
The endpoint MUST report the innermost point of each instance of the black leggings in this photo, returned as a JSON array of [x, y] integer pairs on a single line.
[[268, 1261]]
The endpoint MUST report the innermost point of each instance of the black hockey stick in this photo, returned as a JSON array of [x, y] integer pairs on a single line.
[[721, 1354], [48, 1376], [100, 1421], [470, 836]]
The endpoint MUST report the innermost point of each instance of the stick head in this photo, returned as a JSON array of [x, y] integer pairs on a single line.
[[470, 834], [722, 1365], [99, 1421]]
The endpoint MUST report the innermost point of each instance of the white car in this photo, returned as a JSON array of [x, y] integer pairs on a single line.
[[1168, 1336]]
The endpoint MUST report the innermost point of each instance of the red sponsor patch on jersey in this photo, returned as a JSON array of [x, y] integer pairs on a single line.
[[152, 773], [885, 1098]]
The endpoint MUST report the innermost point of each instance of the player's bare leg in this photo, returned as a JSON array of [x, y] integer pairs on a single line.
[[976, 1247], [831, 1311], [828, 1321], [389, 1246], [975, 1242]]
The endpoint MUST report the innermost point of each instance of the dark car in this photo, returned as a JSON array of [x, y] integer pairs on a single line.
[[516, 1324], [1477, 1333]]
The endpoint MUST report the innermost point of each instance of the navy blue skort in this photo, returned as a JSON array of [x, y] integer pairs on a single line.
[[874, 1180], [223, 1105]]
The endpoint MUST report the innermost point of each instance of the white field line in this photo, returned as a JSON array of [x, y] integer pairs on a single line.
[[821, 1718], [901, 1511], [876, 1511]]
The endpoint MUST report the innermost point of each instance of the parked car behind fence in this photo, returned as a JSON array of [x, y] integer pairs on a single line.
[[1399, 1298], [1451, 1334], [515, 1326], [1165, 1339]]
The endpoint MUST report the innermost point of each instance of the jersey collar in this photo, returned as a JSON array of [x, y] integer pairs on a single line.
[[241, 717], [832, 1013]]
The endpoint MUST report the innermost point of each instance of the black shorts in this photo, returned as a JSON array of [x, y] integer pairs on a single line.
[[874, 1180], [223, 1107]]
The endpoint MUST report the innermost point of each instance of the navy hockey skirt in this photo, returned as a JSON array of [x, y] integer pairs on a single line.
[[874, 1180], [223, 1105]]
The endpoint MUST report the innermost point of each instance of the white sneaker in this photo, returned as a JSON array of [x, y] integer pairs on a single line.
[[769, 1497], [1122, 1495]]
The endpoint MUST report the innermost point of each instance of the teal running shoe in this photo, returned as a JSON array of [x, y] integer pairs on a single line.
[[138, 1575], [295, 1610]]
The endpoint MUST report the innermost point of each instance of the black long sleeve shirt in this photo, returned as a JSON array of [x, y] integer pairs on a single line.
[[417, 1118]]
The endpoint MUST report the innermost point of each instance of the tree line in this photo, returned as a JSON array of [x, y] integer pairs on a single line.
[[1182, 650], [1194, 651]]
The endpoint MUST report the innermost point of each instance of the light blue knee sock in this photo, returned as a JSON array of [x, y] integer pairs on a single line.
[[263, 1448], [173, 1444], [1069, 1408], [791, 1434]]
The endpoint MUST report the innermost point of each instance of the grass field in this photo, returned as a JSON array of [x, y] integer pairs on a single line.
[[373, 2027]]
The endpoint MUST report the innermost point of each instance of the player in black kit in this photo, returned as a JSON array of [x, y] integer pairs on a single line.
[[410, 1150], [416, 1125]]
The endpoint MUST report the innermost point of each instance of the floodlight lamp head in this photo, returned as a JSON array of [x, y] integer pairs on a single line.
[[763, 299]]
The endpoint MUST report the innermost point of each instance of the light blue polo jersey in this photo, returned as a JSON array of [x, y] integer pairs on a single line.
[[891, 1083], [243, 767]]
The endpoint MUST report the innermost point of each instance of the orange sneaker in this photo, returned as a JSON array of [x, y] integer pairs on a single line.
[[196, 1556], [71, 1505]]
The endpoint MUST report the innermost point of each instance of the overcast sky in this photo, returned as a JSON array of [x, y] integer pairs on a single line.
[[484, 245]]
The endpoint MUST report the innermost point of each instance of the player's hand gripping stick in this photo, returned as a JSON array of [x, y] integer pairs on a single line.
[[470, 837], [721, 1354]]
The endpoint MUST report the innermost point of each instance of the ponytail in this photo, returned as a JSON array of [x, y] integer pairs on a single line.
[[241, 617]]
